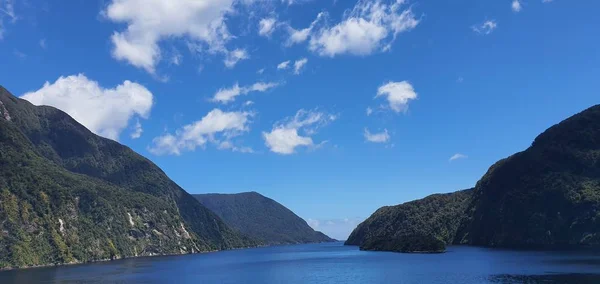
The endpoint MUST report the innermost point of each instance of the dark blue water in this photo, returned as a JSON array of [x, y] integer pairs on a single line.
[[330, 263]]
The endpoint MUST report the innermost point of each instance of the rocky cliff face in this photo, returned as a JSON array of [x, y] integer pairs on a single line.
[[67, 195]]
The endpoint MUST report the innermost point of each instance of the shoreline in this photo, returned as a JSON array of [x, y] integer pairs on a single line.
[[148, 256]]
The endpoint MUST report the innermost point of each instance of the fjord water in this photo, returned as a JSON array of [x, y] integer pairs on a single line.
[[330, 263]]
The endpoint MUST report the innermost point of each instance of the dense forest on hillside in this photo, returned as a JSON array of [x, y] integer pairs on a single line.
[[261, 218], [437, 215], [547, 196], [68, 195]]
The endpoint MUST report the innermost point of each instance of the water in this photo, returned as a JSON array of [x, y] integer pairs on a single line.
[[330, 263]]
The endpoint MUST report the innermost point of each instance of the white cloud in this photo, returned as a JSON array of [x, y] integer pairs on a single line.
[[137, 130], [266, 26], [227, 145], [260, 71], [227, 95], [398, 95], [338, 229], [151, 21], [43, 43], [295, 131], [485, 28], [299, 36], [369, 111], [283, 65], [457, 156], [235, 56], [299, 64], [217, 127], [516, 6], [546, 1], [106, 112], [370, 26], [382, 137]]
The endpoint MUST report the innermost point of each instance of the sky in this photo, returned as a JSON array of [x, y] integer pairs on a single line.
[[332, 108]]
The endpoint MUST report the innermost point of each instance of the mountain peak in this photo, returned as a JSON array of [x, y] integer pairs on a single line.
[[71, 190]]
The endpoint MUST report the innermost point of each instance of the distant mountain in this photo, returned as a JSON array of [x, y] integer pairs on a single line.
[[547, 196], [262, 218], [70, 196], [438, 215]]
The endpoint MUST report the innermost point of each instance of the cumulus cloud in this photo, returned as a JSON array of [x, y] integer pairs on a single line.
[[151, 21], [295, 131], [266, 26], [457, 156], [299, 64], [283, 65], [217, 127], [398, 95], [227, 95], [104, 111], [485, 28], [516, 6], [381, 137], [370, 26], [235, 56]]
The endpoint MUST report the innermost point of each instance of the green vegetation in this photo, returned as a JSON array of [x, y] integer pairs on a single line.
[[67, 195], [547, 196], [437, 216], [261, 218], [406, 244]]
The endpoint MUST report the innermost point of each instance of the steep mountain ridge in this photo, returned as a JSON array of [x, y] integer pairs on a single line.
[[262, 218], [68, 195], [547, 196]]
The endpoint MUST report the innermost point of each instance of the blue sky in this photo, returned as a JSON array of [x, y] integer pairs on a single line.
[[375, 100]]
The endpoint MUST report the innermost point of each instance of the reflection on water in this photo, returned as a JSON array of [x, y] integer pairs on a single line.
[[330, 263], [551, 278]]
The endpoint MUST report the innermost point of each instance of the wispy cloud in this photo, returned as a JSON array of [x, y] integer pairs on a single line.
[[338, 229], [381, 137], [485, 28], [227, 95], [457, 156]]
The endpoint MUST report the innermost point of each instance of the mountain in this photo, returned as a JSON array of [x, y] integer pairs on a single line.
[[261, 218], [547, 196], [70, 196], [438, 216]]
